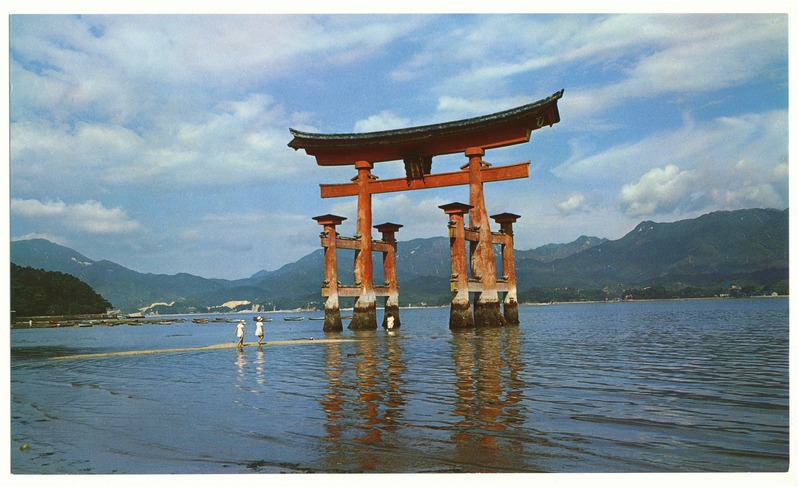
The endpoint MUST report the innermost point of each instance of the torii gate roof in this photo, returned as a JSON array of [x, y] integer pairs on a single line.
[[489, 131]]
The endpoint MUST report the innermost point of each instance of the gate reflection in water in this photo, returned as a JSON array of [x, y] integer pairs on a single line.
[[489, 389], [366, 430], [374, 399]]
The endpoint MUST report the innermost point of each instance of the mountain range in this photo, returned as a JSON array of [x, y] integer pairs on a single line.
[[720, 250]]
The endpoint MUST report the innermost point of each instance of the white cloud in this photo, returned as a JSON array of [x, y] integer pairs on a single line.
[[572, 204], [184, 116], [90, 216], [638, 57], [659, 190], [385, 120], [708, 151], [452, 108], [704, 57]]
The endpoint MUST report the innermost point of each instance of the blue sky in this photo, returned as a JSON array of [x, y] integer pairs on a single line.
[[160, 141]]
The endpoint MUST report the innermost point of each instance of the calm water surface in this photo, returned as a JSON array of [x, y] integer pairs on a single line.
[[629, 387]]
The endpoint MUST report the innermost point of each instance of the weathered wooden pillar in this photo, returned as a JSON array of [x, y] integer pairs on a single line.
[[364, 315], [332, 311], [460, 312], [487, 311], [506, 220], [388, 231]]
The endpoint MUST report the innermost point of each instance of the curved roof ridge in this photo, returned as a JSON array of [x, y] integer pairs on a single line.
[[498, 129], [497, 116]]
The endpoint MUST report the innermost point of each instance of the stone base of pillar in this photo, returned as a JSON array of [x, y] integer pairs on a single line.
[[391, 310], [460, 315], [511, 311], [364, 315], [488, 314], [332, 320]]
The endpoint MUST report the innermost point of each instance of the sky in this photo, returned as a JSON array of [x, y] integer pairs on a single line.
[[159, 142]]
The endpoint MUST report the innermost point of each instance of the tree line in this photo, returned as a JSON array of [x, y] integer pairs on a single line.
[[36, 292]]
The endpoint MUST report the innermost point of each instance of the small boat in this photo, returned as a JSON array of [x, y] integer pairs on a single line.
[[200, 320], [316, 318], [294, 318], [85, 325]]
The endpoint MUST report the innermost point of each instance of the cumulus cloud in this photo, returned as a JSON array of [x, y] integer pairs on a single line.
[[660, 190], [90, 216], [154, 99], [572, 204], [698, 162], [385, 120], [229, 143]]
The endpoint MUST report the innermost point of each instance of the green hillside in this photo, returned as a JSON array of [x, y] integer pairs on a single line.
[[35, 292]]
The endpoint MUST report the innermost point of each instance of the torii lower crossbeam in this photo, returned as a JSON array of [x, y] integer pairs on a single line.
[[455, 178]]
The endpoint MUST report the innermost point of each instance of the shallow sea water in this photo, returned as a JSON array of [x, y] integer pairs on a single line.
[[671, 386]]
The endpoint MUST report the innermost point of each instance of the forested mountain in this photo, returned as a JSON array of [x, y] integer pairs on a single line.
[[715, 252], [700, 251], [552, 252], [747, 249], [35, 292]]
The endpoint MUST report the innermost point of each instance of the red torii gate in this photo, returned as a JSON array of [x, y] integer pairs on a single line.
[[416, 146]]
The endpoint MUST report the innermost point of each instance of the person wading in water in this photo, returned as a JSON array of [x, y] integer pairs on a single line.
[[240, 334], [259, 329]]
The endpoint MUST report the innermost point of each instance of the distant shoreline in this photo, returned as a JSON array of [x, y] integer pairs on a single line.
[[712, 298], [23, 322]]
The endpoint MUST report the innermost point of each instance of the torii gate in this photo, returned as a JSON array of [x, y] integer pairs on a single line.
[[416, 146]]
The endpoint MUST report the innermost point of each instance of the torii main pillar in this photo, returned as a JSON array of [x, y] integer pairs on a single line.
[[364, 315], [483, 260]]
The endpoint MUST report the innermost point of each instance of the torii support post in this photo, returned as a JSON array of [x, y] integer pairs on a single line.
[[364, 315], [506, 220], [487, 312], [460, 312], [388, 231], [332, 311]]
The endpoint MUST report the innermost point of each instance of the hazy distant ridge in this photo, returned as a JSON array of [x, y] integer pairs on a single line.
[[712, 250]]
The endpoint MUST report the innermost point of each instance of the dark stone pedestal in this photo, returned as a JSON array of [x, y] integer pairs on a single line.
[[460, 316], [332, 320], [364, 317], [488, 315]]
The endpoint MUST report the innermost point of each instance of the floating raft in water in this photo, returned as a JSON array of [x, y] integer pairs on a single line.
[[197, 349]]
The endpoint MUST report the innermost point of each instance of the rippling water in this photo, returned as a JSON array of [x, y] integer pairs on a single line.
[[629, 387]]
